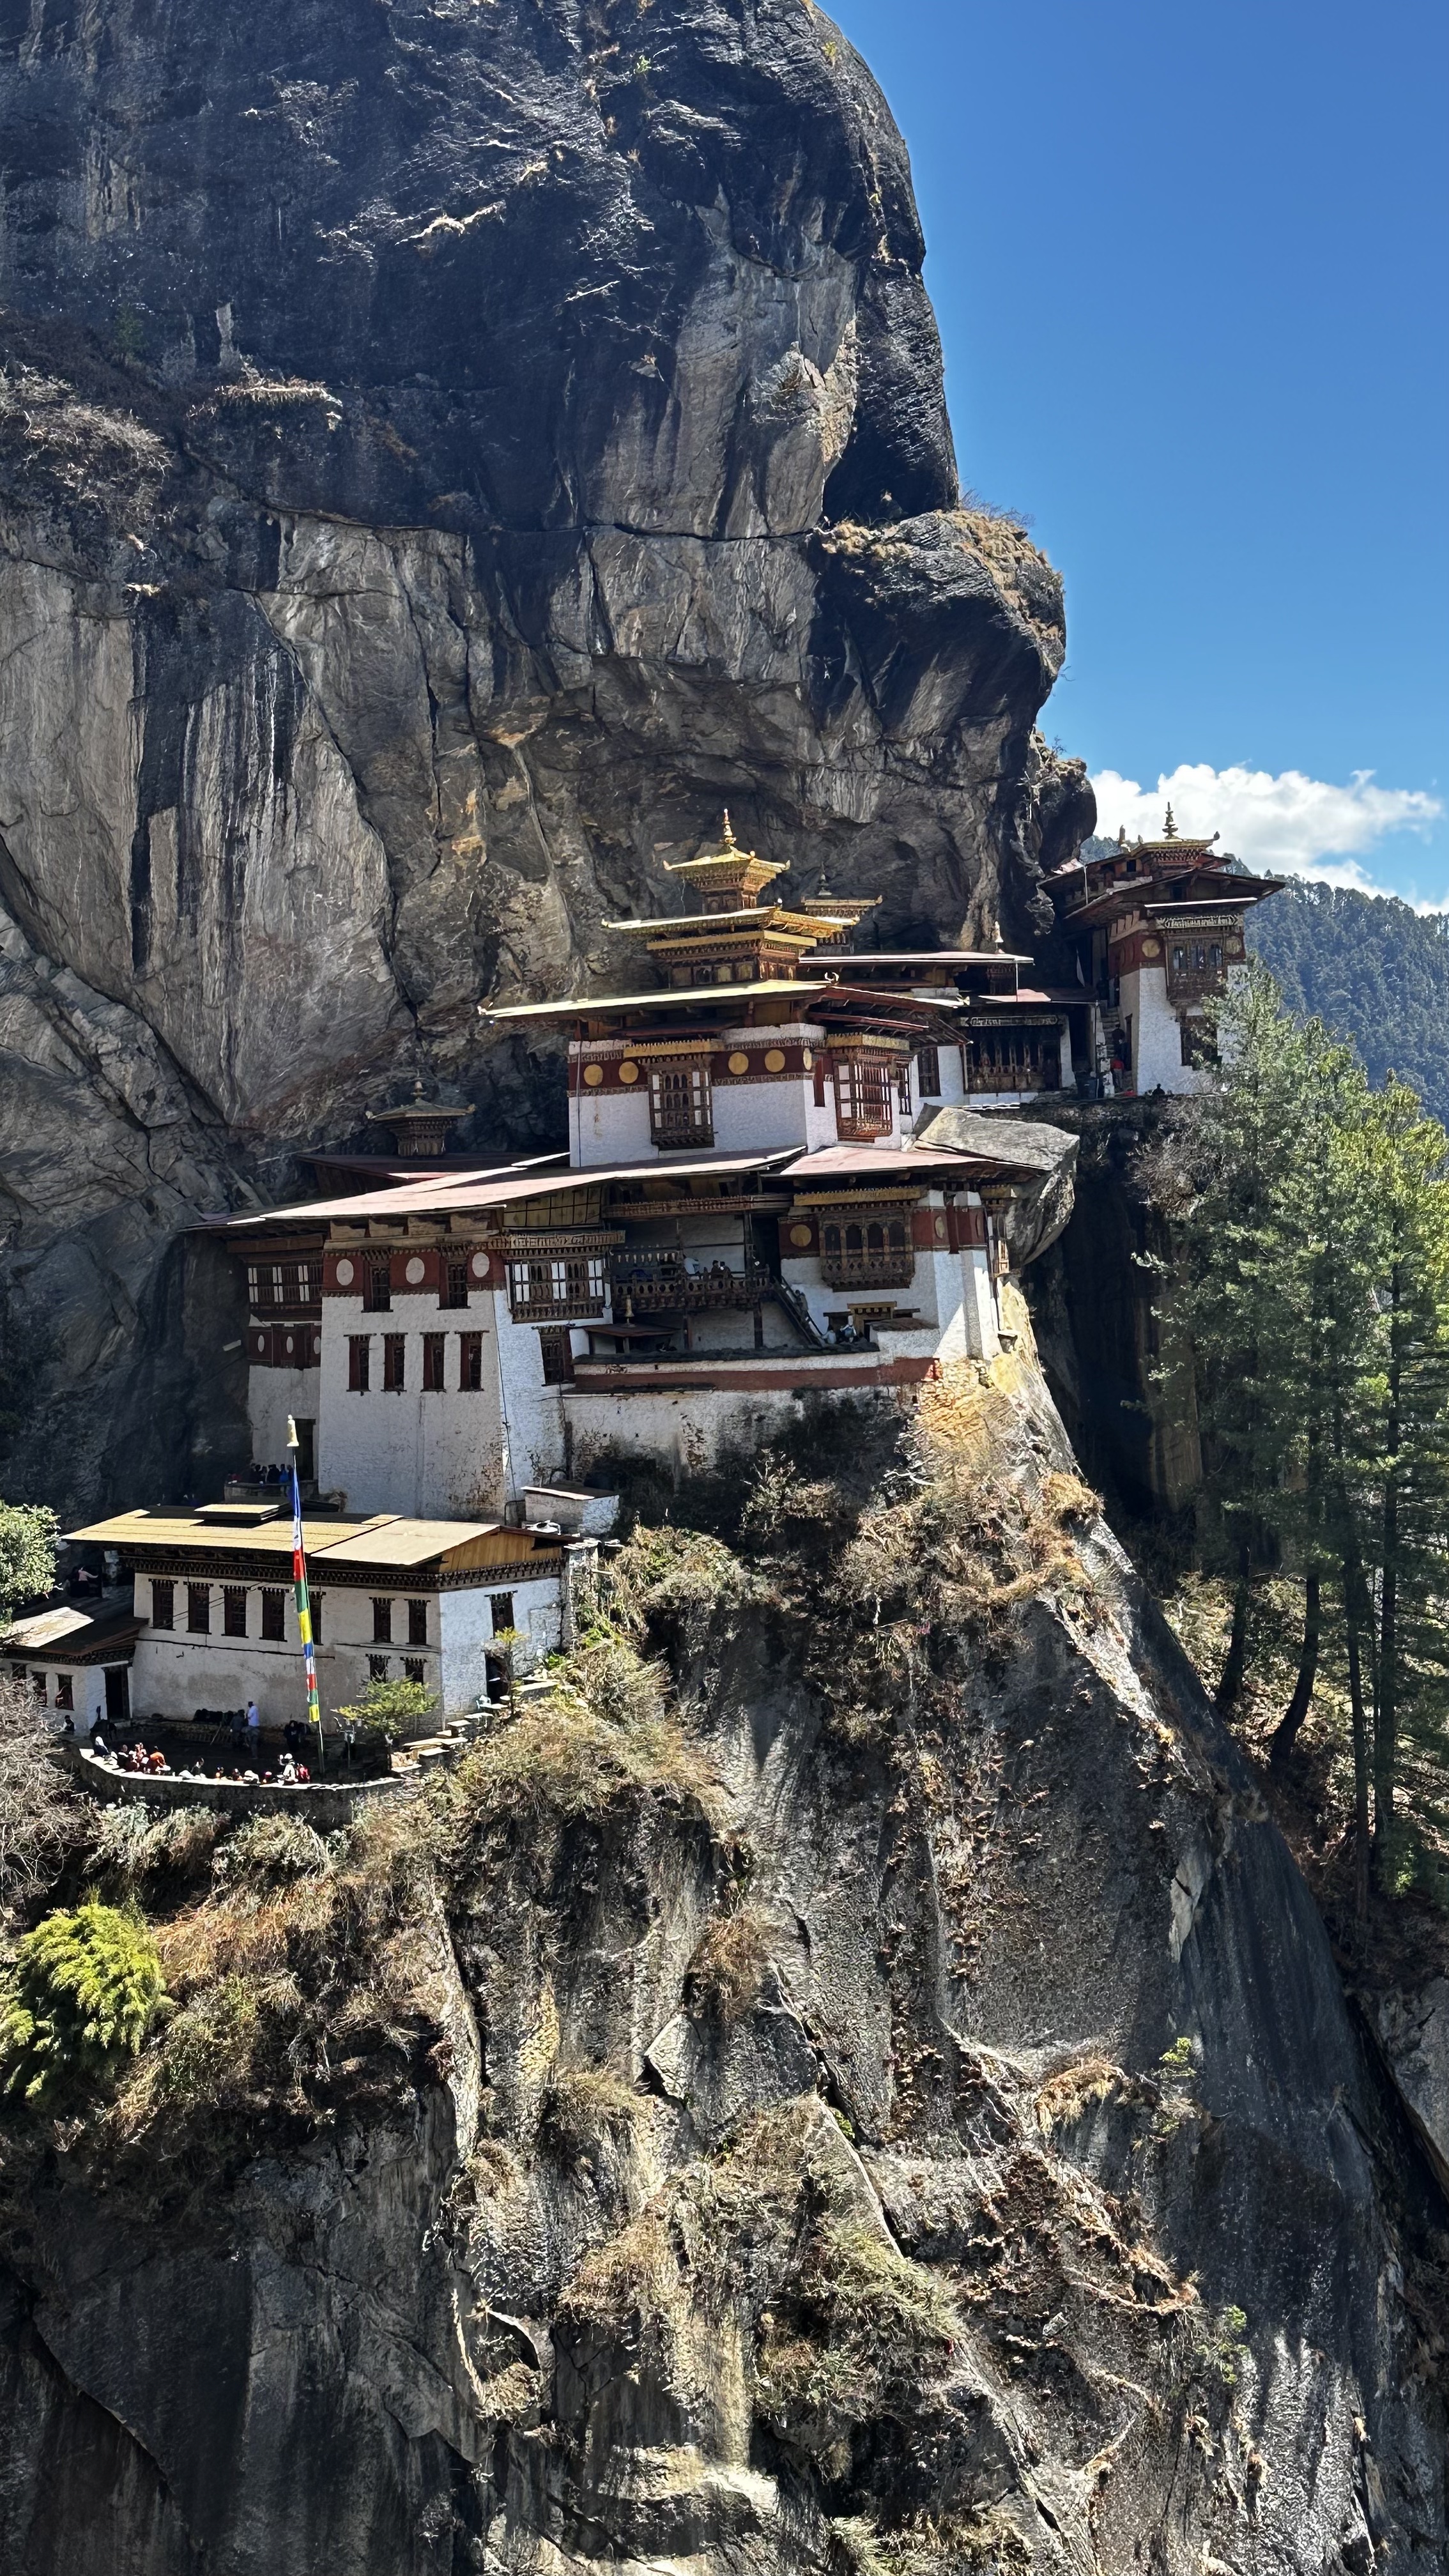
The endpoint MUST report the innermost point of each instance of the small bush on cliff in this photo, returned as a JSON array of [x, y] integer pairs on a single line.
[[40, 1815], [724, 1977], [27, 1556], [85, 1989], [389, 1711], [584, 2108], [604, 1736]]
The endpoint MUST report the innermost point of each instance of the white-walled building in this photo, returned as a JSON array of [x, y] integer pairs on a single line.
[[393, 1599], [1158, 929]]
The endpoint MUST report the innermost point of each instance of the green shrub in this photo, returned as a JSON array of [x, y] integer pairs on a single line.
[[85, 1990], [27, 1555], [388, 1711]]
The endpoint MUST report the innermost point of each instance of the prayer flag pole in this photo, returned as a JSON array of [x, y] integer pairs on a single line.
[[304, 1606]]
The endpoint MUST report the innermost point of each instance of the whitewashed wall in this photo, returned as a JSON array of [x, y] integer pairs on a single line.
[[272, 1394]]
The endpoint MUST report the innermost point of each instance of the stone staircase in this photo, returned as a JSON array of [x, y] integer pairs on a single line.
[[426, 1753]]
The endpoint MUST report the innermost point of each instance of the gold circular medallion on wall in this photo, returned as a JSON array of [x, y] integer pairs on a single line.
[[775, 1060], [628, 1070], [739, 1063], [593, 1075], [800, 1237], [1152, 948]]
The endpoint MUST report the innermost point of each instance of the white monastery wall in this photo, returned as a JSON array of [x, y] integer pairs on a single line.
[[611, 1127], [1156, 1033], [272, 1394], [421, 1451], [687, 1428], [87, 1690], [468, 1630], [531, 1412]]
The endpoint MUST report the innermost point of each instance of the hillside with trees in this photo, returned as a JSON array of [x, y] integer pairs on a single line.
[[1374, 970]]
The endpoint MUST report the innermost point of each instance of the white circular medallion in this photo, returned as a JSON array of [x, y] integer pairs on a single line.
[[479, 1265], [291, 1345], [416, 1272], [345, 1274]]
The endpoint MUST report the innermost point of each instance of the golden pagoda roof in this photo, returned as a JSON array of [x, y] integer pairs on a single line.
[[728, 866], [773, 920]]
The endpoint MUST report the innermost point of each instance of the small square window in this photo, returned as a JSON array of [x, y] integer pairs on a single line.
[[234, 1609], [381, 1622], [274, 1617], [455, 1284], [198, 1609], [64, 1691], [38, 1683], [928, 1071], [500, 1606], [413, 1668], [394, 1362], [434, 1345], [359, 1363], [417, 1623], [163, 1604], [470, 1363], [377, 1668], [376, 1288], [314, 1605]]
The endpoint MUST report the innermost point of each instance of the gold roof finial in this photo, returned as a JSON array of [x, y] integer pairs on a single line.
[[1169, 828], [728, 839]]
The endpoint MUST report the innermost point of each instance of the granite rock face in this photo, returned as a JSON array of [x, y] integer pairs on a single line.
[[643, 2267], [445, 455]]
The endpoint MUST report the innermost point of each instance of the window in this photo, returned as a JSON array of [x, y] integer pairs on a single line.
[[434, 1345], [1215, 959], [274, 1618], [903, 1087], [571, 1283], [381, 1622], [198, 1609], [862, 1096], [417, 1623], [394, 1362], [38, 1683], [556, 1343], [818, 1069], [377, 1668], [872, 1248], [500, 1608], [64, 1691], [928, 1071], [359, 1363], [314, 1604], [413, 1668], [1179, 961], [163, 1604], [306, 1449], [376, 1287], [681, 1104], [470, 1363], [234, 1609], [455, 1284]]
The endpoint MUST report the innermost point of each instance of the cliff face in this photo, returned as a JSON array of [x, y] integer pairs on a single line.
[[902, 2118], [445, 455]]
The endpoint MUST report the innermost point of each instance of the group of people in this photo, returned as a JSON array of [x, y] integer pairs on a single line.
[[135, 1758]]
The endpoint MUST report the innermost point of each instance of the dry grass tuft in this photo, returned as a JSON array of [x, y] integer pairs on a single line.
[[1074, 2090], [585, 2108], [727, 1971]]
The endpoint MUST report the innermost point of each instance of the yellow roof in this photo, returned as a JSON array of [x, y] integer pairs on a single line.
[[582, 1006], [386, 1538]]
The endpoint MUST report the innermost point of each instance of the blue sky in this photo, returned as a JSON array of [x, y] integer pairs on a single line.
[[1191, 267]]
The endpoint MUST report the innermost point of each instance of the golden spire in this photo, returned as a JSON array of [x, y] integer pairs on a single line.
[[1169, 828], [728, 838]]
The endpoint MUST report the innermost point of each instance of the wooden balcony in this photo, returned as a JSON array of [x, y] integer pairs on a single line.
[[889, 1269]]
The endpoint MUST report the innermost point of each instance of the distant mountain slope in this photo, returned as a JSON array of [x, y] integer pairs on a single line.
[[1370, 967]]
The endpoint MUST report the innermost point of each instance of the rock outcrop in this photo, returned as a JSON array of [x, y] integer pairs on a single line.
[[907, 2121], [445, 455]]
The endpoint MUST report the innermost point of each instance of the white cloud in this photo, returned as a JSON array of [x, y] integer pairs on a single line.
[[1287, 826]]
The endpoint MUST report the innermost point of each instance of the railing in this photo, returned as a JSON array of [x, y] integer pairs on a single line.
[[667, 1288], [868, 1269]]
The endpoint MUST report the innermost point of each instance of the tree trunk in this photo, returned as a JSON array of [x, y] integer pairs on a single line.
[[1231, 1682], [1386, 1716], [1352, 1596], [1285, 1733]]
